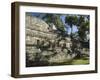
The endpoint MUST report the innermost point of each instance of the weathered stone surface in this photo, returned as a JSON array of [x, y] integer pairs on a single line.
[[42, 43], [35, 33], [31, 52], [61, 57], [35, 23]]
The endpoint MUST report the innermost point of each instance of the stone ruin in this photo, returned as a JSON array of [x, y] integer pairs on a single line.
[[42, 44]]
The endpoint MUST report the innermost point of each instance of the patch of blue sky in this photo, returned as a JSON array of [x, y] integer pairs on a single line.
[[74, 29]]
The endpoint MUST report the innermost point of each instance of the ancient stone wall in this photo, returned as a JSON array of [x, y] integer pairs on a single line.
[[42, 44]]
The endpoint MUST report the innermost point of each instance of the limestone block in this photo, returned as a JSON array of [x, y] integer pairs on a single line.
[[36, 23]]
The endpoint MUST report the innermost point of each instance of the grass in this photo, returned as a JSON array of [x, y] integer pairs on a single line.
[[79, 61]]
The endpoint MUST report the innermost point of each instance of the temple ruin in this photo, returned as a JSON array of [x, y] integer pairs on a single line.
[[43, 46]]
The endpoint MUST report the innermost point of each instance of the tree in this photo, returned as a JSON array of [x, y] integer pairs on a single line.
[[83, 28], [82, 24], [71, 20], [56, 20]]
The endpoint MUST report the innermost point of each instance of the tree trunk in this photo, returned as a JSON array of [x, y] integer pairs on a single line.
[[71, 31]]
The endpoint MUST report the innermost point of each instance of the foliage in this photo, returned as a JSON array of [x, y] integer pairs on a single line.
[[56, 20], [71, 20], [83, 27], [82, 23], [59, 24]]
